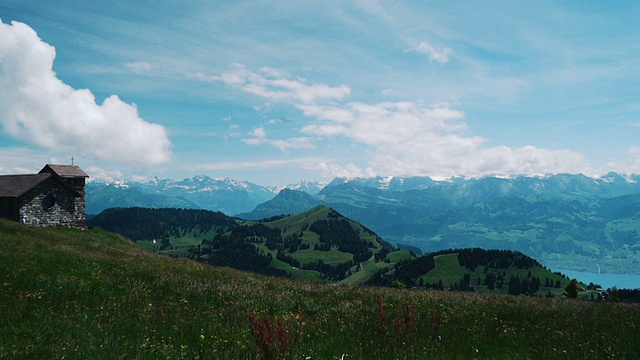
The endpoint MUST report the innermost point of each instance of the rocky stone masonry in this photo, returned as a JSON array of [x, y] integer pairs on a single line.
[[61, 208]]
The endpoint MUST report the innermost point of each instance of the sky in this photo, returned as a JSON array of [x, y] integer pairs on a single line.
[[273, 92]]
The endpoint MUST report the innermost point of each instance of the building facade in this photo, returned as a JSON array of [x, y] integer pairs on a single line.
[[53, 197]]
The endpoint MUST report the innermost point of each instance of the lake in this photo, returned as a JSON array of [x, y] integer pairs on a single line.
[[621, 281]]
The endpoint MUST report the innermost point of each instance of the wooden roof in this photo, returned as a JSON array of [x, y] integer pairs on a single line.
[[16, 185], [64, 171]]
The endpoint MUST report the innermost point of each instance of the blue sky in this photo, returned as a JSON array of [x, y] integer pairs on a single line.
[[273, 92]]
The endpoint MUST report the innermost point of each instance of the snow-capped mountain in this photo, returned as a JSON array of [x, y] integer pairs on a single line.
[[308, 186], [234, 197], [565, 220], [223, 194]]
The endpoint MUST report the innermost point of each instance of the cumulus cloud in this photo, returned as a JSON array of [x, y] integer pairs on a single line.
[[277, 85], [399, 138], [410, 139], [38, 108], [438, 55]]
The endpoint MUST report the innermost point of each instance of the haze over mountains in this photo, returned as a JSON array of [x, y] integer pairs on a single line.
[[199, 192], [565, 221]]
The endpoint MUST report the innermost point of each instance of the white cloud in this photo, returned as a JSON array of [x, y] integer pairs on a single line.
[[332, 113], [138, 67], [628, 165], [292, 143], [326, 130], [385, 124], [260, 137], [254, 141], [98, 173], [277, 85], [411, 139], [438, 55], [38, 108], [259, 132], [330, 170], [268, 164], [20, 161], [400, 138]]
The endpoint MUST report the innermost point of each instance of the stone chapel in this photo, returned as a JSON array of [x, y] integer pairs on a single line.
[[53, 197]]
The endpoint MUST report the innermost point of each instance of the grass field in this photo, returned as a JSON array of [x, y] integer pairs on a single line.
[[333, 256], [297, 274], [74, 294]]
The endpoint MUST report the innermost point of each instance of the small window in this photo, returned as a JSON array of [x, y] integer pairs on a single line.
[[48, 202]]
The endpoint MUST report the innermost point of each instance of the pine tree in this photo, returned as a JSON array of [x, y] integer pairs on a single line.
[[571, 289]]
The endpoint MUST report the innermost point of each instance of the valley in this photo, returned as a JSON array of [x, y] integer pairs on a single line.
[[322, 246], [564, 221]]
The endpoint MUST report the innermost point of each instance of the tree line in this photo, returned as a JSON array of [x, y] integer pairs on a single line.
[[147, 224]]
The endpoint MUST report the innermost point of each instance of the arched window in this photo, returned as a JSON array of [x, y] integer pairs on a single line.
[[48, 202]]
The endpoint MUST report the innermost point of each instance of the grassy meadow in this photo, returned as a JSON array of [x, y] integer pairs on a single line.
[[73, 294]]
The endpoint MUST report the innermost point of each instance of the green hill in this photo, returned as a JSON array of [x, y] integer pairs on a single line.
[[318, 245], [498, 271], [322, 245], [76, 294]]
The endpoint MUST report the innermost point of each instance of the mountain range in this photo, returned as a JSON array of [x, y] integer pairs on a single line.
[[199, 192], [564, 221]]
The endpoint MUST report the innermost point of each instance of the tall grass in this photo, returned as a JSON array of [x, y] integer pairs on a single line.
[[74, 294]]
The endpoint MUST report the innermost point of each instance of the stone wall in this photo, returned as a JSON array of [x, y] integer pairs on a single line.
[[52, 204]]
